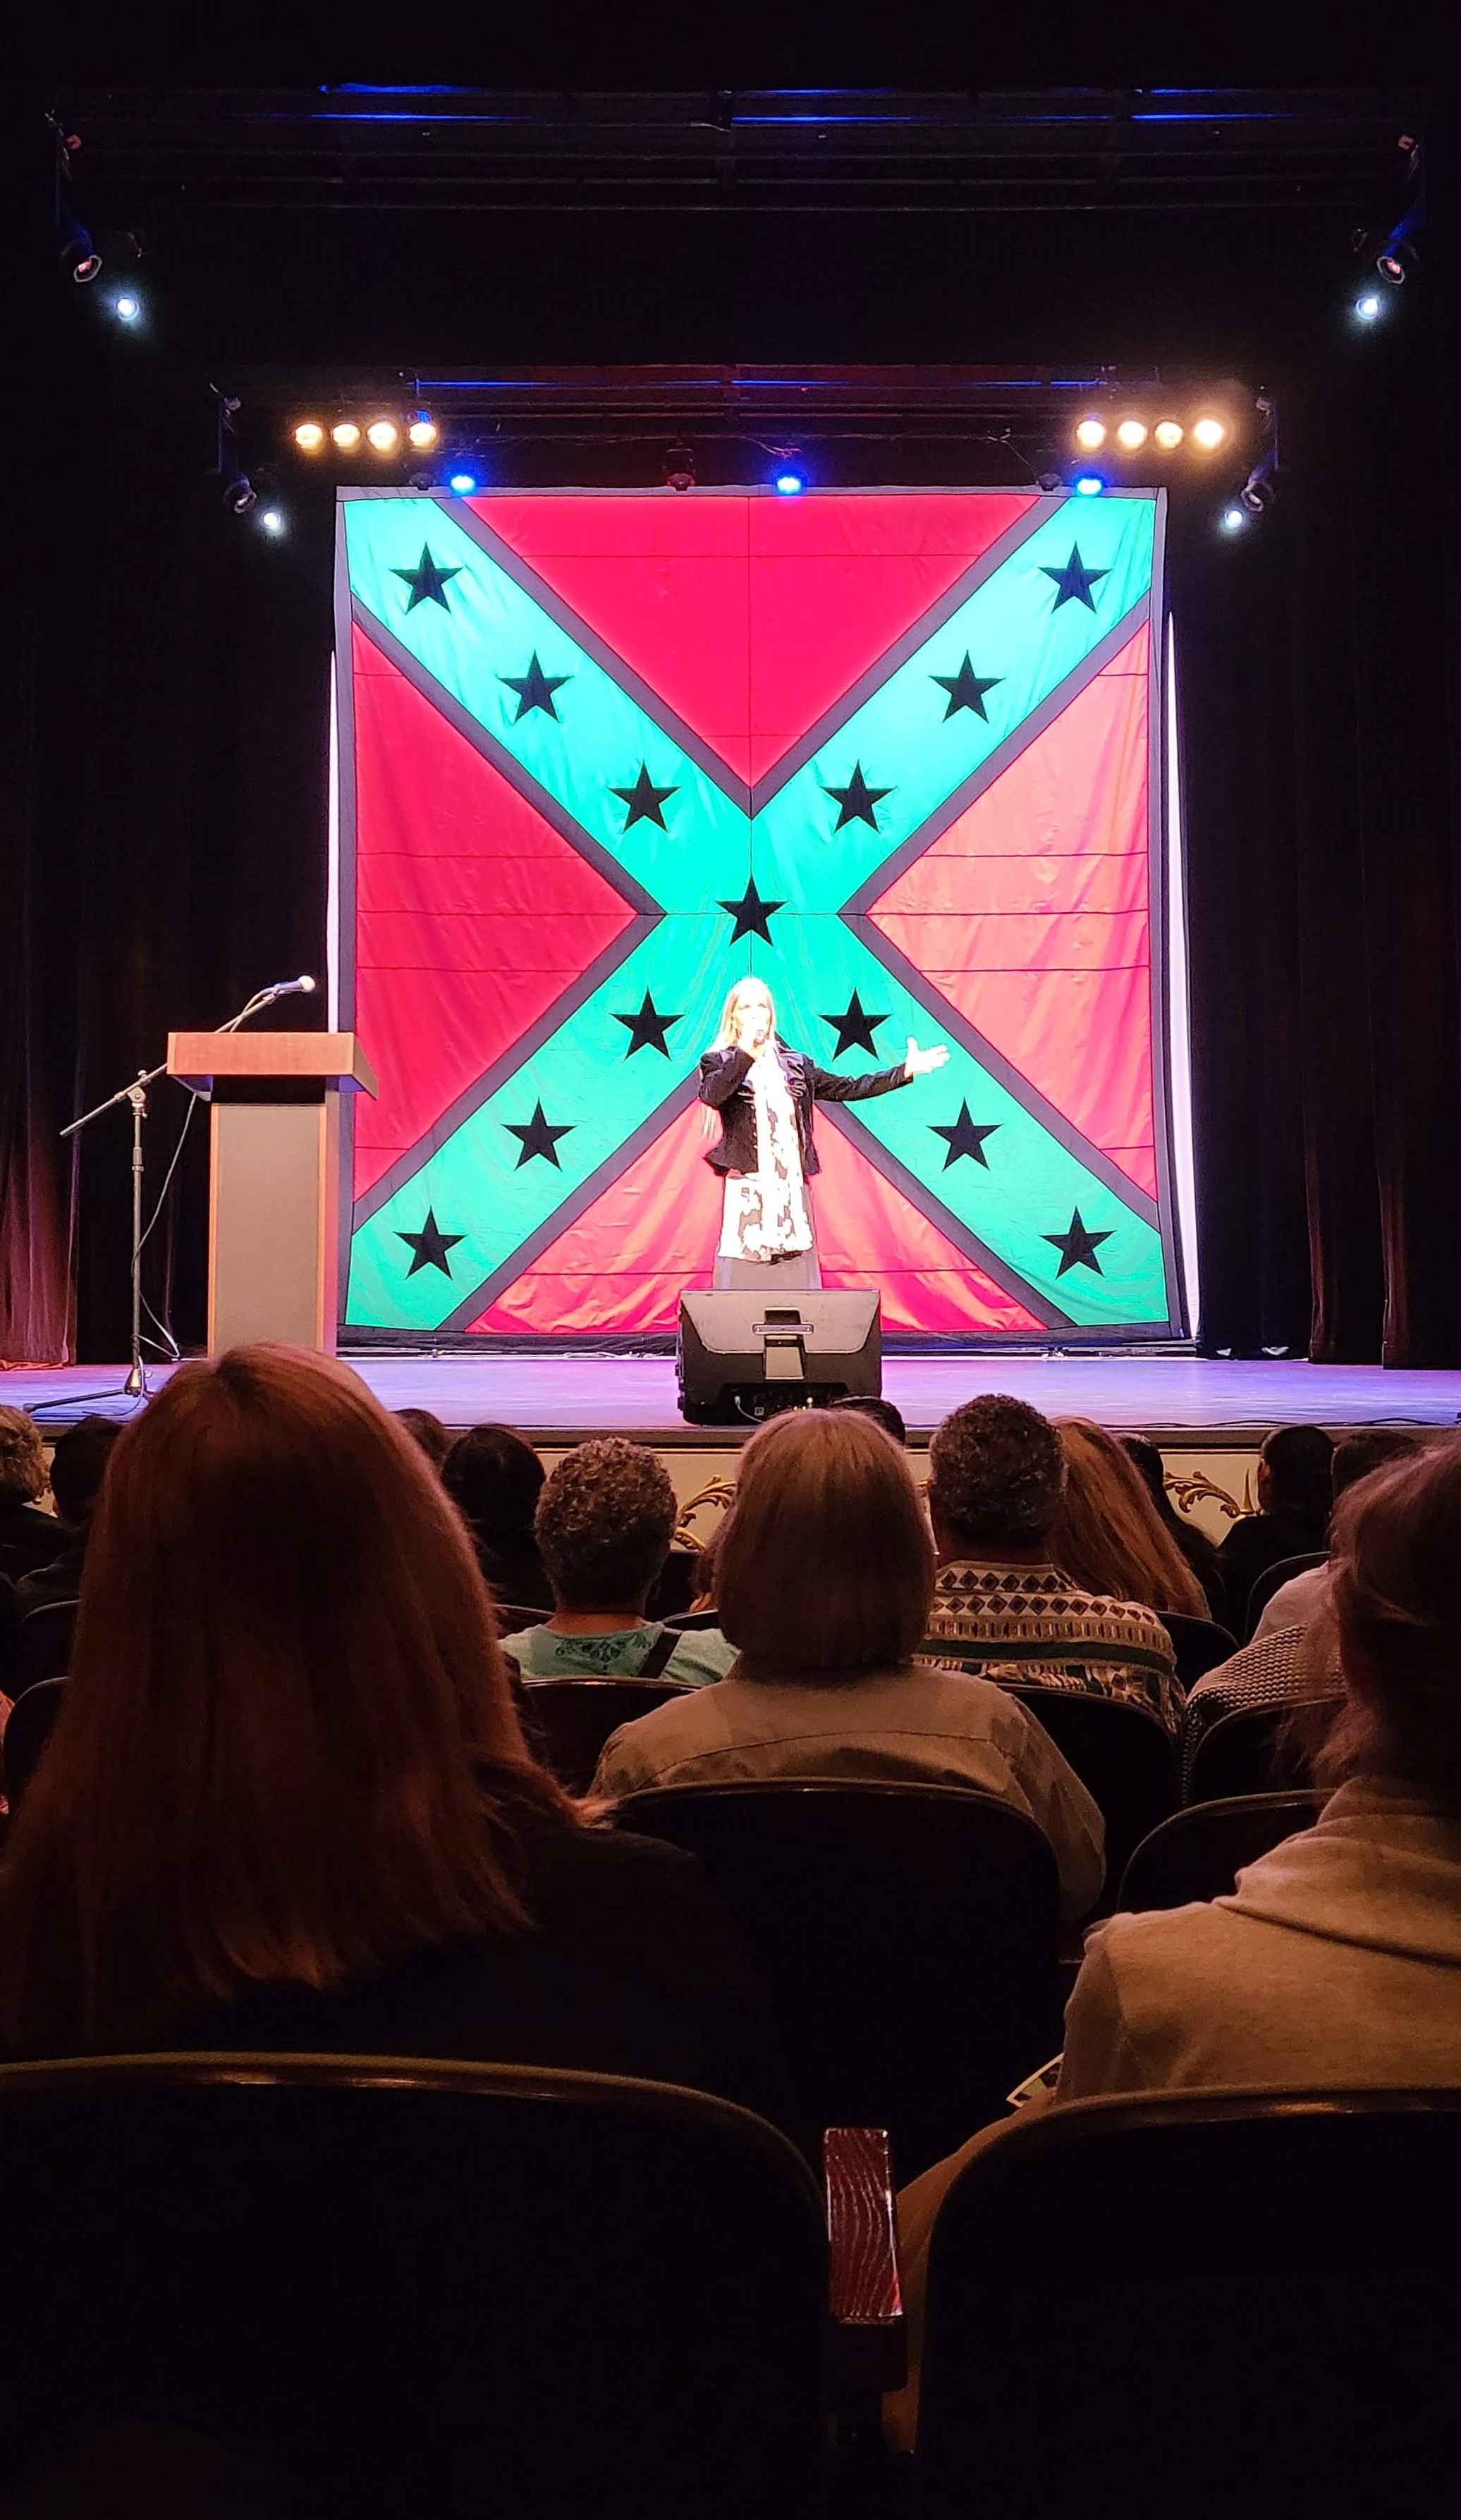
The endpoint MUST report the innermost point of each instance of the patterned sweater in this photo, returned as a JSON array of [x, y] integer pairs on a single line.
[[1030, 1627]]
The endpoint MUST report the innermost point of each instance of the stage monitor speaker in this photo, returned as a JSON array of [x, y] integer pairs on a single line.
[[743, 1353]]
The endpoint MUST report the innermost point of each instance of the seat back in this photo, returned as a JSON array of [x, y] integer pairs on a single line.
[[1210, 2304], [570, 1719], [1259, 1751], [45, 1642], [1199, 1644], [26, 1734], [908, 1936], [1199, 1853], [1273, 1579], [1124, 1757], [417, 2288]]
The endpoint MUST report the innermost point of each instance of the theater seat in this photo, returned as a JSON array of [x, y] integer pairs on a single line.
[[1199, 1645], [908, 1936], [1207, 2305], [1199, 1853], [1124, 1757], [26, 1734], [1258, 1750], [427, 2289], [568, 1721]]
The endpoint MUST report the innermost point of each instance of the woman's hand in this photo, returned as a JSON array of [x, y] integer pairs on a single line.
[[922, 1063]]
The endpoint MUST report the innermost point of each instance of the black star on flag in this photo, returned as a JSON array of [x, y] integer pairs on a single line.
[[750, 913], [426, 580], [854, 1027], [538, 1137], [964, 1136], [644, 801], [966, 689], [647, 1030], [429, 1246], [856, 801], [534, 689], [1075, 581], [1078, 1246]]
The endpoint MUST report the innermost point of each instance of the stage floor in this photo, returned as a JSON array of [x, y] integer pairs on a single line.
[[560, 1398]]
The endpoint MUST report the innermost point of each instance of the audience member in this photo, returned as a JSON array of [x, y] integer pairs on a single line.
[[1335, 1961], [287, 1803], [434, 1439], [1305, 1595], [1294, 1495], [495, 1478], [1107, 1531], [1002, 1604], [825, 1576], [28, 1537], [1199, 1550], [79, 1462], [604, 1524], [881, 1413]]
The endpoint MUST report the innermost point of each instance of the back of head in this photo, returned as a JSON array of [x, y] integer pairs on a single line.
[[1374, 1448], [1397, 1601], [1297, 1461], [867, 1404], [825, 1569], [284, 1715], [78, 1465], [494, 1478], [434, 1439], [604, 1524], [995, 1473], [1108, 1534], [22, 1458]]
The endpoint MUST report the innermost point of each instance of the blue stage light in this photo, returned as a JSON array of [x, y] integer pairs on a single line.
[[1369, 305], [462, 483], [126, 308], [1089, 486], [790, 482]]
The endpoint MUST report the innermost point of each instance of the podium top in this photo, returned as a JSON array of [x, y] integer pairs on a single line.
[[286, 1058]]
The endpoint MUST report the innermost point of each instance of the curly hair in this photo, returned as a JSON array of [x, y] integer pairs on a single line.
[[23, 1456], [995, 1473], [604, 1524]]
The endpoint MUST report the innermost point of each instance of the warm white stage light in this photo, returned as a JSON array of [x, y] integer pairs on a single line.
[[1090, 435], [309, 436], [1209, 432], [1132, 433], [384, 436], [347, 436], [421, 429], [1167, 435]]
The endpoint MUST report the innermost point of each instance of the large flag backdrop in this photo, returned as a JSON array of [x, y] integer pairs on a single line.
[[895, 752]]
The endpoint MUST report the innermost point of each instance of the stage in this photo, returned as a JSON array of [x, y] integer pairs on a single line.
[[1183, 1401]]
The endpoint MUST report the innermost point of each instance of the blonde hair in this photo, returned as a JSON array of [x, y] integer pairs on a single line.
[[1108, 1534], [825, 1567], [725, 1038]]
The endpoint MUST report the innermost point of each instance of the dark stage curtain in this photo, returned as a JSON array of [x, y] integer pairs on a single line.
[[164, 828]]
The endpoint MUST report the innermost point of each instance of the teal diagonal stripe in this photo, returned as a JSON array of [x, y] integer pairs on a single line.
[[1013, 627]]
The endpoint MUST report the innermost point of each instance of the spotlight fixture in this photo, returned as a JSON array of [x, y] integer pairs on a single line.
[[421, 430], [384, 436], [309, 436], [1209, 432], [1167, 435], [347, 436], [464, 483], [1132, 433], [79, 255], [126, 307], [1049, 481], [1088, 485], [1233, 518], [679, 468], [1090, 435], [1369, 305], [239, 494], [271, 520]]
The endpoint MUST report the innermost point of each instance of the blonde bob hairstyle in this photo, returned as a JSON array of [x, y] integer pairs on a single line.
[[825, 1569]]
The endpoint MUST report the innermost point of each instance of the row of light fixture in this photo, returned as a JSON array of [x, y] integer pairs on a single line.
[[1206, 433], [384, 435]]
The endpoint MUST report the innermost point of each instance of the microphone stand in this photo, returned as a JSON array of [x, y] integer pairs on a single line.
[[135, 1094]]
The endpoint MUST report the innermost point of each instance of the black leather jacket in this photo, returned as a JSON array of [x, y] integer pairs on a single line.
[[723, 1075]]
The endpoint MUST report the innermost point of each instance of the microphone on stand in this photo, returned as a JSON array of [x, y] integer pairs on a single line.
[[304, 987]]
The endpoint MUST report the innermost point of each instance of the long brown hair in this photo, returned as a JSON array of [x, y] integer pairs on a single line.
[[1396, 1543], [825, 1567], [1108, 1534], [287, 1750]]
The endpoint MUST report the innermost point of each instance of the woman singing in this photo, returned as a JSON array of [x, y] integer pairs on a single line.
[[764, 1094]]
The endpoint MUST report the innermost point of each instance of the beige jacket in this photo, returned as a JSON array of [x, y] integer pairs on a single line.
[[1336, 1959], [917, 1725]]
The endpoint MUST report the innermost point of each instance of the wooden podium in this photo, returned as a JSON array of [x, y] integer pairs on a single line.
[[274, 1190]]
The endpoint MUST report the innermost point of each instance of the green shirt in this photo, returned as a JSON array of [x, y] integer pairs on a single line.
[[541, 1653]]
